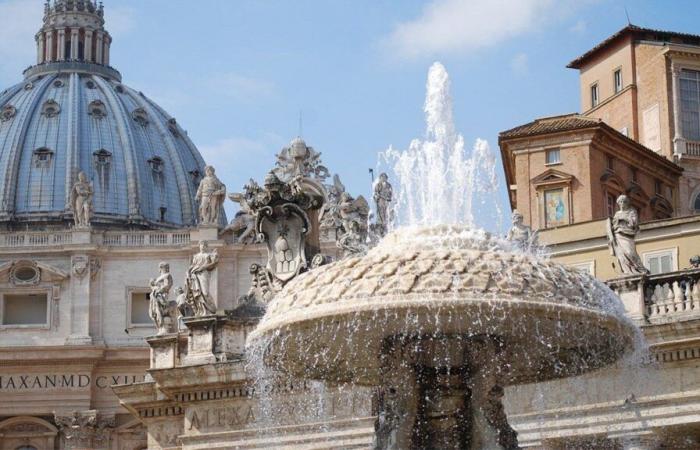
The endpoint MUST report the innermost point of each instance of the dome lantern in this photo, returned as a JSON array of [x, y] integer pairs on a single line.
[[72, 114]]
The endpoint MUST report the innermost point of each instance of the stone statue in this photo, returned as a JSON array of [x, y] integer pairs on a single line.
[[81, 201], [353, 241], [329, 217], [300, 160], [210, 195], [243, 224], [159, 308], [197, 283], [521, 235], [183, 306], [621, 230], [383, 195]]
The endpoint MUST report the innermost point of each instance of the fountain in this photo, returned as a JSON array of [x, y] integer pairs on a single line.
[[441, 316]]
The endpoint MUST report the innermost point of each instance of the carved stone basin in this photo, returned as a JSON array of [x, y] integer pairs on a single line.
[[449, 310]]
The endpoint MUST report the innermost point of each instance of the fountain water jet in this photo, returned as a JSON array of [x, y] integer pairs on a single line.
[[441, 316]]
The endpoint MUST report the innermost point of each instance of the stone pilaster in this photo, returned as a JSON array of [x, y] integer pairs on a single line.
[[163, 351], [99, 47], [49, 46], [87, 52], [80, 283], [83, 430], [74, 41], [678, 140], [200, 344], [105, 54], [61, 53], [40, 50]]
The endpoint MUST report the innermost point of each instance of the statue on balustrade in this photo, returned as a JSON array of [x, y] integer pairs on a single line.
[[383, 195], [210, 195], [243, 224], [198, 281], [81, 201], [520, 234], [159, 308], [622, 229]]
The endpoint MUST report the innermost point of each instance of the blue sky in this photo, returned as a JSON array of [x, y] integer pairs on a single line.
[[235, 73]]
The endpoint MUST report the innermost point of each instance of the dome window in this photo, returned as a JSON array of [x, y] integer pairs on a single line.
[[90, 84], [140, 116], [172, 126], [196, 176], [119, 89], [97, 109], [58, 84], [157, 164], [25, 273], [50, 109], [102, 158], [7, 113], [29, 86], [42, 157]]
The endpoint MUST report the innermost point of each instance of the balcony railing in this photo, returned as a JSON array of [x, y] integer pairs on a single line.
[[47, 239], [660, 298], [35, 239], [692, 148], [145, 239]]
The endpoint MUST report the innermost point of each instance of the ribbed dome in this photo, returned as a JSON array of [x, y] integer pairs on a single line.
[[72, 115]]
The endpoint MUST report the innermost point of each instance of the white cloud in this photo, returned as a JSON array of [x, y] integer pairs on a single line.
[[459, 26], [579, 27], [520, 63]]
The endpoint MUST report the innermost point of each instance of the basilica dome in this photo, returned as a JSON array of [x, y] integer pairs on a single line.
[[72, 114]]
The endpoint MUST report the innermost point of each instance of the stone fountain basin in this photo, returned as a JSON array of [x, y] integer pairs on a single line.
[[440, 288]]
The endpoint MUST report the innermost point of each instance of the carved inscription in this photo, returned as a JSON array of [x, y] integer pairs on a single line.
[[20, 382]]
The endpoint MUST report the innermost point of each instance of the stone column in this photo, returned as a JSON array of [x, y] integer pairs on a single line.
[[87, 46], [678, 140], [40, 51], [99, 47], [61, 53], [74, 43], [85, 429], [49, 46], [105, 55]]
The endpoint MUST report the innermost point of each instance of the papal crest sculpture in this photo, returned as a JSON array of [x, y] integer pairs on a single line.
[[282, 211]]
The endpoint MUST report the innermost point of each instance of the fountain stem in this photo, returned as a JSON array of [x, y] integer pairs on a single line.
[[454, 404]]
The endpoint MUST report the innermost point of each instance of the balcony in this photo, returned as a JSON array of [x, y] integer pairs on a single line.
[[662, 298]]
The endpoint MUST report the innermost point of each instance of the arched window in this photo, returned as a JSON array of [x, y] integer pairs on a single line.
[[50, 108], [97, 109], [26, 447], [696, 203]]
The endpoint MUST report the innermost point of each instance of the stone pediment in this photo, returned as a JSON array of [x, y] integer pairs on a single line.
[[19, 272], [552, 176]]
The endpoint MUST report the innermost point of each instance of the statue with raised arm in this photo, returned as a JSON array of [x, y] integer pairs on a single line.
[[243, 224], [159, 307], [198, 281], [383, 195], [210, 196], [622, 230], [81, 201], [520, 234]]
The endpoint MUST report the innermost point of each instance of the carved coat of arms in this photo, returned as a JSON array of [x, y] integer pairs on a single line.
[[283, 229]]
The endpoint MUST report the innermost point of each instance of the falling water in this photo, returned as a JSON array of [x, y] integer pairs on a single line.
[[437, 181]]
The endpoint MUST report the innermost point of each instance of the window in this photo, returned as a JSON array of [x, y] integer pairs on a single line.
[[611, 205], [617, 80], [25, 309], [696, 203], [690, 104], [42, 157], [610, 163], [553, 156], [138, 309], [594, 95], [661, 261], [633, 174], [555, 208], [658, 187]]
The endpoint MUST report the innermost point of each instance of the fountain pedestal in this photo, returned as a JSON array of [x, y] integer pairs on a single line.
[[451, 401]]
